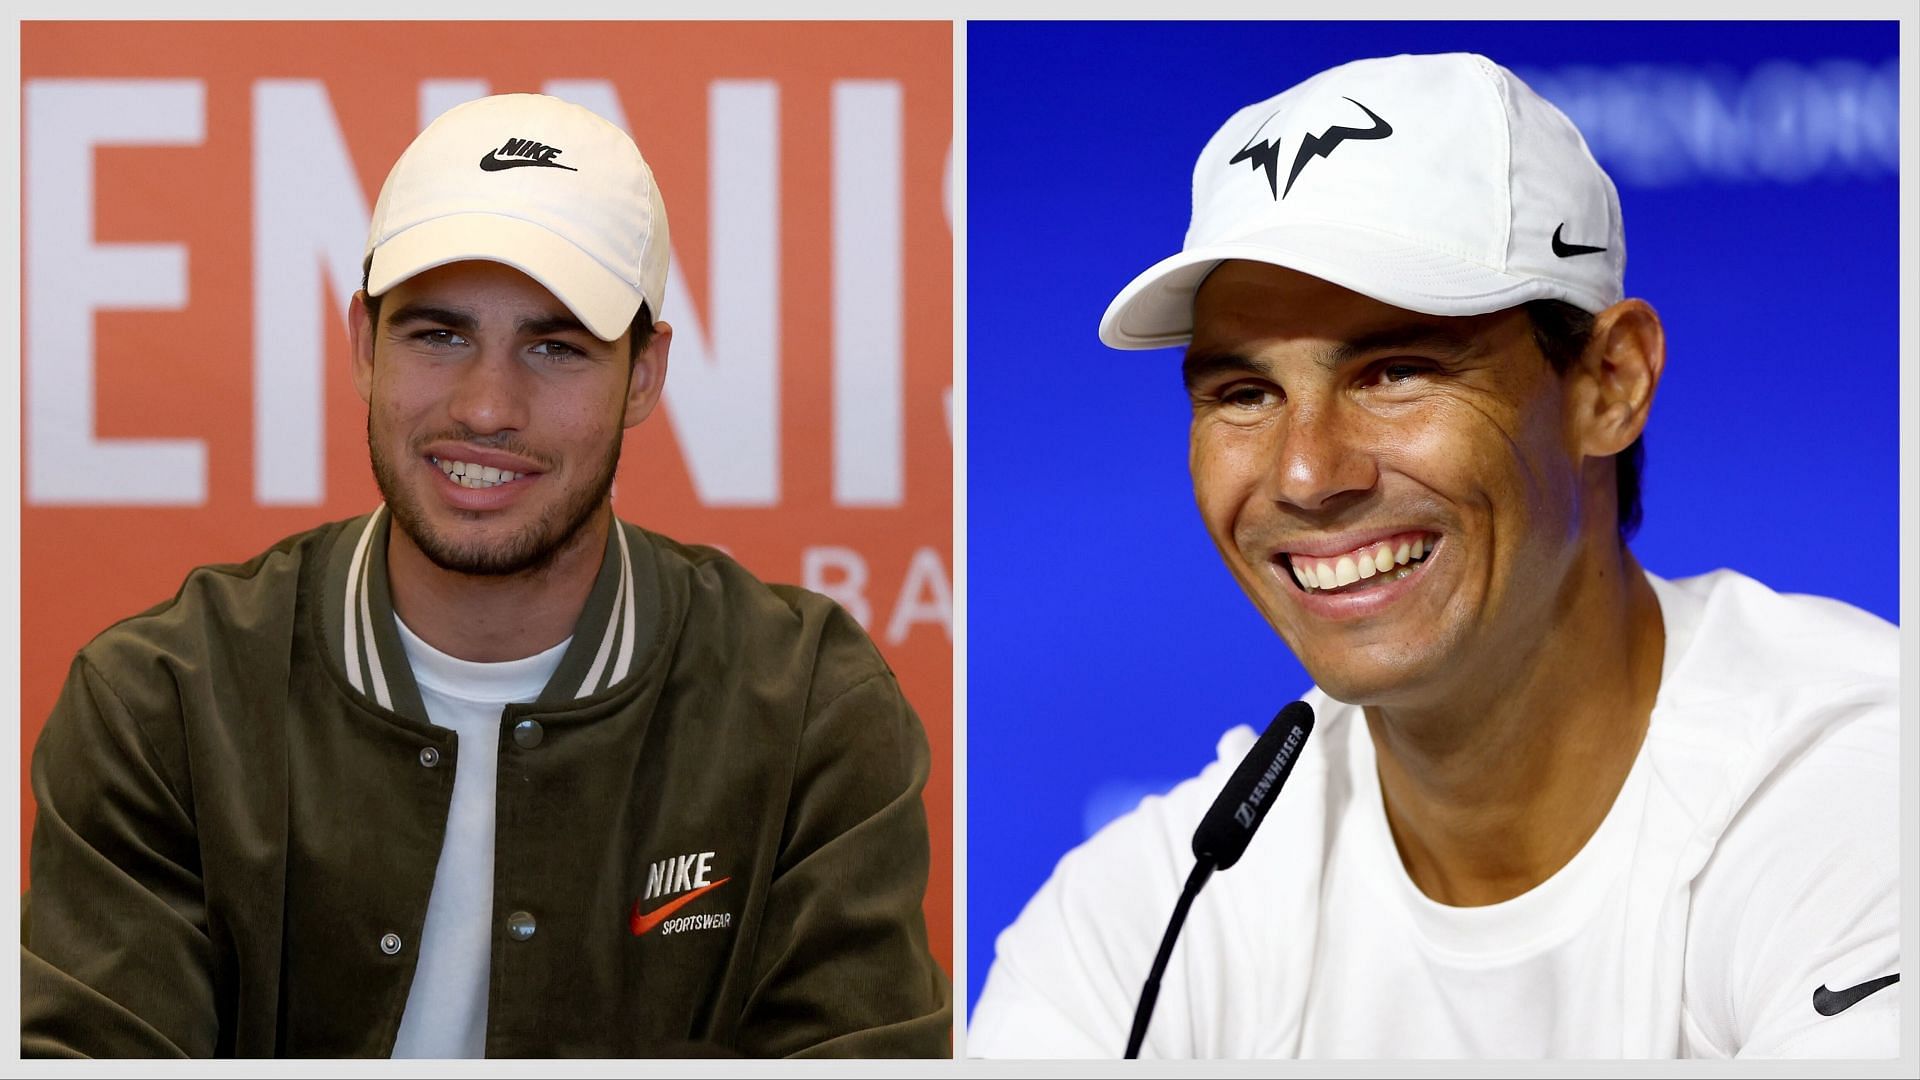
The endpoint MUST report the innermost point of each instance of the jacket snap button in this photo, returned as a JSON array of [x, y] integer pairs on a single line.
[[389, 943], [528, 733], [520, 926], [429, 756]]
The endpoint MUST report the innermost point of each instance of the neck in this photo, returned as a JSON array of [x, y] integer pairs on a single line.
[[488, 619], [1493, 791]]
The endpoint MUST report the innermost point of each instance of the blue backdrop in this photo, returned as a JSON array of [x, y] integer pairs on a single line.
[[1108, 648]]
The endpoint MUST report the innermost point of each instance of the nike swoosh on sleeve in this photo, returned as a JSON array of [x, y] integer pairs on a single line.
[[1833, 1002], [640, 922]]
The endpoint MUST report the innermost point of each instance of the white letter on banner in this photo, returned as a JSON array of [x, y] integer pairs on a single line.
[[309, 236], [69, 277], [847, 587], [723, 387], [438, 95], [868, 444], [927, 575]]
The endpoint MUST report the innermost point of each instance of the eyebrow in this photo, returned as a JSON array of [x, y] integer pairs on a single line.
[[1425, 336], [467, 324], [552, 324], [1198, 368], [413, 313]]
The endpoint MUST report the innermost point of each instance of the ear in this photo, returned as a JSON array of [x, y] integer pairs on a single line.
[[1619, 372], [360, 346], [649, 376]]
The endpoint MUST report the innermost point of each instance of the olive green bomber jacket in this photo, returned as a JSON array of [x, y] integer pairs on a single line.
[[242, 803]]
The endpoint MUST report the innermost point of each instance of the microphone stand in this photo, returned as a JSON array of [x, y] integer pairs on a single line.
[[1223, 835], [1143, 1014]]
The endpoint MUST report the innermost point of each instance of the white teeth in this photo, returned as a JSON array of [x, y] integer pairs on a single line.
[[1314, 573], [469, 475]]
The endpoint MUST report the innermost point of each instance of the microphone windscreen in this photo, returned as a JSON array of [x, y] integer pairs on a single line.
[[1248, 795]]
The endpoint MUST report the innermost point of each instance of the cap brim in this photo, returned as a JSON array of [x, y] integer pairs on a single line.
[[597, 296], [1156, 308]]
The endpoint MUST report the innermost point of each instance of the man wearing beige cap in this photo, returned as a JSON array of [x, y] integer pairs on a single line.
[[487, 771], [1555, 805]]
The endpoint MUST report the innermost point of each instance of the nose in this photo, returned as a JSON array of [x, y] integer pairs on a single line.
[[1321, 458], [490, 392]]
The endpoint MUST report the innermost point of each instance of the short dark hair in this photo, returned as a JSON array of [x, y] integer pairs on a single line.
[[640, 332], [1562, 331]]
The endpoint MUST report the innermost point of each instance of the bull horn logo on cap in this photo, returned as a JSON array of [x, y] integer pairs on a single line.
[[1266, 155]]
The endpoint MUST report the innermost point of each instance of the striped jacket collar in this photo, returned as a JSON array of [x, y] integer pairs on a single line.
[[612, 640]]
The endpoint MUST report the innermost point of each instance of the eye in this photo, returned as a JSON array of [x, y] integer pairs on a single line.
[[1401, 371], [558, 350], [439, 338], [1248, 396]]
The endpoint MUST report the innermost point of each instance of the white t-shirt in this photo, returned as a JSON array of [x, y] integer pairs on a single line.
[[446, 1014], [1750, 857]]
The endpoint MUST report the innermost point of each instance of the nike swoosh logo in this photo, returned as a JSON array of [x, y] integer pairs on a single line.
[[640, 922], [1566, 250], [1829, 1002], [494, 164]]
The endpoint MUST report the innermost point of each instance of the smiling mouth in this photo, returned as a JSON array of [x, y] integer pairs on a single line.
[[1366, 567], [469, 475]]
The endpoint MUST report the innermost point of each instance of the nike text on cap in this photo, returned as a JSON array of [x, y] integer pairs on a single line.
[[1439, 184], [540, 184]]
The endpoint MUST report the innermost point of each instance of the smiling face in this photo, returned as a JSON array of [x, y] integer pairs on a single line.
[[494, 417], [1401, 494]]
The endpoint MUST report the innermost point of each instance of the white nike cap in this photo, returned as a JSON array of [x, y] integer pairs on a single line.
[[542, 185], [1439, 184]]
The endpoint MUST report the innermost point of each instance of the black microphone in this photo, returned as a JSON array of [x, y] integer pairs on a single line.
[[1223, 834]]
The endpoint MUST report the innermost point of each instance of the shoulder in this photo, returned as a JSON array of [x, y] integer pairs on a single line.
[[770, 626], [1746, 640], [1068, 972], [1800, 890], [144, 686], [219, 608], [1780, 718], [1766, 698], [1792, 703], [1770, 703]]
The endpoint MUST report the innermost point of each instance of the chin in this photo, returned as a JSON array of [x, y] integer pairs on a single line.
[[1377, 675]]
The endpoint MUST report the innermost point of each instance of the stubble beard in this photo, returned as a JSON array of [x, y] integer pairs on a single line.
[[530, 551]]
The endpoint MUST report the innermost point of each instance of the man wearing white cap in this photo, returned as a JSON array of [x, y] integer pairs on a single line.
[[1555, 806], [487, 772]]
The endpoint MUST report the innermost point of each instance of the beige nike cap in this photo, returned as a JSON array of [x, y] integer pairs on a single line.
[[1440, 184], [540, 184]]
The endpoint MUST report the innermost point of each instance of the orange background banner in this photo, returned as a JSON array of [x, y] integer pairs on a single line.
[[190, 242]]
